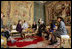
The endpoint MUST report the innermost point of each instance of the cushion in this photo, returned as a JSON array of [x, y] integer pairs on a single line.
[[13, 27], [2, 41], [65, 36], [14, 31]]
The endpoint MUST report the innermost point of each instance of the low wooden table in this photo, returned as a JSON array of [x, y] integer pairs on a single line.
[[14, 32], [25, 33]]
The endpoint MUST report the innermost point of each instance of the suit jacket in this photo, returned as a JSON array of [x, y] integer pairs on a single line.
[[62, 28], [19, 28], [41, 28], [34, 26], [25, 25]]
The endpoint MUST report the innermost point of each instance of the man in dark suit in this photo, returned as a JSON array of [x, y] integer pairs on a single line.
[[41, 28]]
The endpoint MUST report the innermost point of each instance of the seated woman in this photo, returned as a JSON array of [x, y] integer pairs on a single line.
[[52, 29], [52, 26], [34, 26], [19, 27], [6, 34], [61, 30], [25, 25]]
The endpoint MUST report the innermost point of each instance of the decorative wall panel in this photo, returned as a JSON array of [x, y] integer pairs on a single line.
[[56, 9], [38, 12], [19, 10]]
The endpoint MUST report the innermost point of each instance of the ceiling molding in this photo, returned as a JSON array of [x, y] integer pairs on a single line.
[[40, 2]]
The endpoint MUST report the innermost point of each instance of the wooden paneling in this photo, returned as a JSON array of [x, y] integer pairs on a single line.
[[38, 12]]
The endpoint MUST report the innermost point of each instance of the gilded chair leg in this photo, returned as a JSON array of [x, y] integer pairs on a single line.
[[60, 42]]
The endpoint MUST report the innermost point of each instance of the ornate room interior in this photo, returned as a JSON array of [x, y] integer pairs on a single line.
[[32, 11]]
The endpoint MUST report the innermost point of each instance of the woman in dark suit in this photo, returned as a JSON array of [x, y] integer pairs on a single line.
[[19, 27], [34, 26]]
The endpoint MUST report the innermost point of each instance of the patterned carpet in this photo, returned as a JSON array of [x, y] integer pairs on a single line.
[[41, 44]]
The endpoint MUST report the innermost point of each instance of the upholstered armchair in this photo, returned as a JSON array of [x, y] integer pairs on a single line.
[[3, 42], [13, 30]]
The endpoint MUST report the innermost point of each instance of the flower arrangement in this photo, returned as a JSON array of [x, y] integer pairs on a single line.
[[29, 30]]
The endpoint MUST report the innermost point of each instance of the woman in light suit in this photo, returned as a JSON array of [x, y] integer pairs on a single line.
[[61, 30]]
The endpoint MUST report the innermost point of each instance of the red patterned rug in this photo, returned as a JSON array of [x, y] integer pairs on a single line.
[[19, 43]]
